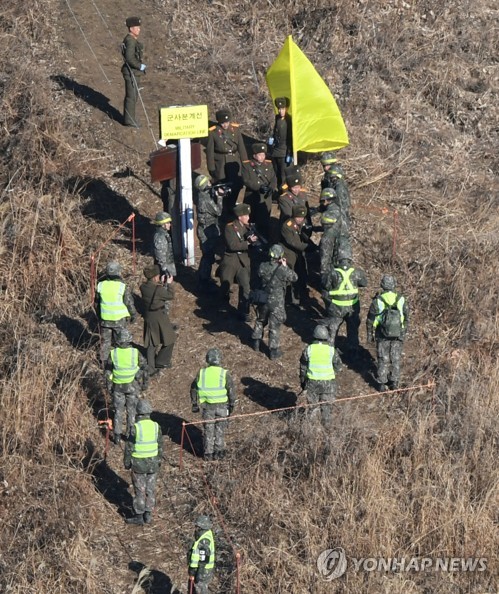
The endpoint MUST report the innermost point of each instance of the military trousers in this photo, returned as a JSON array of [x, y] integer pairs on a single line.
[[351, 317], [389, 353], [144, 485], [108, 336], [159, 358], [131, 96], [125, 397], [214, 433], [209, 246], [274, 318], [201, 582], [321, 391]]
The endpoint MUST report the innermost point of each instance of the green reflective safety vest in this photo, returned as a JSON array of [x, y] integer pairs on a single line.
[[125, 365], [195, 556], [211, 385], [146, 439], [346, 294], [320, 362], [387, 300], [112, 308]]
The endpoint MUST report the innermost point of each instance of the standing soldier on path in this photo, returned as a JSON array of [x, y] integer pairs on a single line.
[[159, 335], [209, 210], [387, 323], [275, 277], [162, 244], [201, 557], [132, 69], [295, 243], [114, 306], [294, 195], [143, 454], [236, 263], [328, 246], [261, 183], [341, 297], [213, 390], [334, 177], [125, 368], [317, 373], [281, 140], [225, 152]]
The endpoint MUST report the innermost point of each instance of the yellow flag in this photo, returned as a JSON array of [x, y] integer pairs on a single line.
[[315, 118]]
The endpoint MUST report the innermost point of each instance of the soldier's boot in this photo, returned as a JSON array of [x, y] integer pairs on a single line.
[[255, 344], [116, 438], [138, 520], [219, 455], [208, 457], [395, 384], [275, 353], [383, 388], [147, 517]]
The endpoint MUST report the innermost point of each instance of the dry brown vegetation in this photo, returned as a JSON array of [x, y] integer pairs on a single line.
[[417, 83]]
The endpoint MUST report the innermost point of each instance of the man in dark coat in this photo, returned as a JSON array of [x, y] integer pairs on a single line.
[[295, 243], [293, 196], [225, 151], [132, 69], [260, 181], [159, 335], [281, 140]]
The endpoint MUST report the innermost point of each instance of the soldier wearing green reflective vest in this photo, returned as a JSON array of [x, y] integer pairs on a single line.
[[317, 374], [126, 375], [114, 306], [201, 556], [143, 454], [213, 391], [387, 323], [341, 296]]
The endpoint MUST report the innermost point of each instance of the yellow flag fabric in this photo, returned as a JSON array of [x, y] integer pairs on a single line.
[[315, 118]]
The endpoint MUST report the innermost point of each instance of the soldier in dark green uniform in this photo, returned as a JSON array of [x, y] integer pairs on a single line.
[[225, 151], [236, 263], [260, 181], [295, 243], [281, 141], [132, 69], [275, 276], [293, 196], [201, 557]]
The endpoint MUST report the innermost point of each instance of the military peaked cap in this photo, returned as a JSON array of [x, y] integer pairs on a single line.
[[281, 102], [151, 271], [299, 211], [132, 22], [293, 179], [242, 209], [258, 147], [222, 115]]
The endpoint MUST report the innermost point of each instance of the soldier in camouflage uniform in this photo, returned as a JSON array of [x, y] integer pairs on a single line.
[[236, 263], [132, 69], [162, 245], [213, 390], [225, 152], [201, 557], [209, 210], [143, 454], [126, 375], [114, 305], [328, 246], [281, 140], [334, 177], [260, 181], [275, 277], [317, 374], [293, 196], [341, 296], [389, 350], [295, 243]]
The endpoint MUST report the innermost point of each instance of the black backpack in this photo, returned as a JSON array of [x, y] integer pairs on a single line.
[[391, 320]]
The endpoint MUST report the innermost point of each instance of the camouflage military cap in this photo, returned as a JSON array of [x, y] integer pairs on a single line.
[[161, 218], [329, 158], [222, 115], [328, 194], [124, 336], [242, 209], [152, 271], [388, 282], [144, 407], [203, 522], [336, 171], [113, 269], [345, 251], [281, 102], [213, 357], [201, 182], [276, 251], [321, 332], [258, 147], [133, 22], [299, 211]]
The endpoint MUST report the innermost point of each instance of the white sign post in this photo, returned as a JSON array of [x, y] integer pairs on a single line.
[[186, 210]]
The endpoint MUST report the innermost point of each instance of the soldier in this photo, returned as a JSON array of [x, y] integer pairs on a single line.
[[201, 557], [328, 246], [162, 244], [125, 368], [334, 177], [294, 195], [132, 69], [225, 151], [114, 305], [236, 262], [295, 243], [275, 277], [317, 373], [143, 454], [387, 323], [213, 390], [281, 140], [341, 297], [159, 335], [260, 181], [209, 209]]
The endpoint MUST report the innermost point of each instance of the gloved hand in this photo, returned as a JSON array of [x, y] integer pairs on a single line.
[[270, 141], [289, 160], [264, 189], [143, 67], [128, 465], [195, 408], [230, 409]]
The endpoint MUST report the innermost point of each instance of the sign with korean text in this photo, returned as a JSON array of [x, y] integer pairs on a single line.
[[183, 122]]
